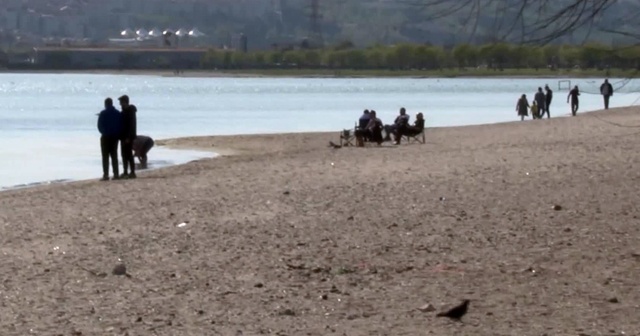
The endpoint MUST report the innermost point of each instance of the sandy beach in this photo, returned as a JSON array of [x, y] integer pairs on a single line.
[[537, 223]]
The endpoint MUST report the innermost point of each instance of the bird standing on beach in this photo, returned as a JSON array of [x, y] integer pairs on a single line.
[[456, 313]]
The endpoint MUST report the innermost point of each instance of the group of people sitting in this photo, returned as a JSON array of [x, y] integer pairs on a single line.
[[370, 128]]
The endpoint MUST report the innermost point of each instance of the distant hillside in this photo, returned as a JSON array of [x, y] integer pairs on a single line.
[[366, 22], [287, 22]]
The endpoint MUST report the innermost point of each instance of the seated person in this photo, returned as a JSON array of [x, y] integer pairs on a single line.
[[372, 131], [364, 120], [402, 120], [410, 130], [141, 146]]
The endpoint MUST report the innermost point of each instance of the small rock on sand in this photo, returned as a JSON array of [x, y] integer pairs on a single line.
[[427, 308], [120, 269]]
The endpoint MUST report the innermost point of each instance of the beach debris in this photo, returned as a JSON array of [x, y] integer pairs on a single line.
[[457, 312], [333, 165], [427, 308], [331, 144], [120, 269], [527, 173], [288, 312], [287, 192], [350, 218], [442, 198], [614, 300], [94, 273], [557, 207], [183, 224], [258, 285]]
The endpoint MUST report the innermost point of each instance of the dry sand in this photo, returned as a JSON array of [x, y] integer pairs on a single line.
[[278, 241]]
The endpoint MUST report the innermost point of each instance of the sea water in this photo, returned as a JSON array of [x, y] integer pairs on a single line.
[[48, 121]]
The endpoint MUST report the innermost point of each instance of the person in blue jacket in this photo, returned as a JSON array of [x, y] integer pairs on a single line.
[[110, 127]]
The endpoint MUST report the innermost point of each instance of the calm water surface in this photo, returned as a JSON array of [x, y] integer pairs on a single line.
[[48, 121]]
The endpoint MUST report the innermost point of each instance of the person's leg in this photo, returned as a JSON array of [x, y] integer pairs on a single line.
[[606, 102], [125, 162], [104, 149], [113, 152], [132, 163], [548, 111]]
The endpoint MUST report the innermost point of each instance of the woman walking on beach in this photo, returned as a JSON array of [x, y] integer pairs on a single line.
[[522, 107]]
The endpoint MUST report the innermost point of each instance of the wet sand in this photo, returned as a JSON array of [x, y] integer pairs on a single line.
[[536, 222]]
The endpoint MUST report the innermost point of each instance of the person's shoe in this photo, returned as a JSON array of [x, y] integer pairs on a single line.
[[124, 176], [105, 178], [132, 175], [116, 177]]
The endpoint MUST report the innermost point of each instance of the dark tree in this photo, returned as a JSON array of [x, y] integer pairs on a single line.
[[523, 21]]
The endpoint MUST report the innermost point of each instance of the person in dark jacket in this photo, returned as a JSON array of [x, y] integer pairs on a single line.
[[410, 130], [110, 127], [606, 89], [141, 146], [541, 100], [129, 133], [575, 101], [549, 96], [522, 107]]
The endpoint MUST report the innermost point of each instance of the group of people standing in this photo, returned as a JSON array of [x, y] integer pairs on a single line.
[[115, 126], [542, 101]]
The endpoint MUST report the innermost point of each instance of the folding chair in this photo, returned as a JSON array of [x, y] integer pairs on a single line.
[[347, 138], [419, 138]]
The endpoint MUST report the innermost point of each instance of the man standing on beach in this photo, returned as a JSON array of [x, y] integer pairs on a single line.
[[541, 101], [549, 97], [606, 90], [110, 127], [573, 94], [129, 132]]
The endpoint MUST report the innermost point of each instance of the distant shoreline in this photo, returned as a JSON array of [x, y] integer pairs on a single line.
[[323, 73]]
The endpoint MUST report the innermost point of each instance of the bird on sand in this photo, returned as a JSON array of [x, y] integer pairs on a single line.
[[457, 312]]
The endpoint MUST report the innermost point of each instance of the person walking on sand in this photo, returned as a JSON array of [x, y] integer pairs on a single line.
[[522, 107], [110, 128], [129, 132], [541, 101], [548, 97], [573, 94], [606, 90]]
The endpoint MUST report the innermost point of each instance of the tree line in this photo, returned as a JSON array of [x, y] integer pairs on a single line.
[[430, 57]]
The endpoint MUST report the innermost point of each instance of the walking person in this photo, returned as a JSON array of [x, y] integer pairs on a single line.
[[606, 90], [110, 128], [541, 101], [129, 132], [548, 97], [522, 107], [573, 94]]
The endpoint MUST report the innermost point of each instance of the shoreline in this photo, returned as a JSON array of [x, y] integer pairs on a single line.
[[309, 73], [63, 181], [249, 144]]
